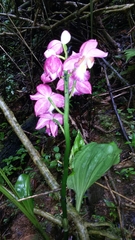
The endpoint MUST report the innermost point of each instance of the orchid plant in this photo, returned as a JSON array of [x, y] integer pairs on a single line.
[[72, 75], [73, 69]]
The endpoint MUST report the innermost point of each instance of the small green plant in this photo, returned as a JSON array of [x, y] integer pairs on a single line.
[[127, 118], [125, 173], [132, 137], [53, 160], [129, 53], [112, 209], [3, 127], [10, 168], [10, 87], [98, 218]]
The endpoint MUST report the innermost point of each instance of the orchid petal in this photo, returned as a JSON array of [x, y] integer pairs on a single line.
[[60, 85], [36, 96], [83, 87], [69, 63], [96, 53], [44, 90], [81, 75], [65, 37], [58, 117], [88, 45], [53, 128], [58, 99], [42, 106], [55, 45], [49, 52], [42, 122]]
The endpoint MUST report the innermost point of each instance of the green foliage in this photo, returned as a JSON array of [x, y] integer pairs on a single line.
[[78, 144], [105, 120], [126, 172], [3, 127], [89, 164], [22, 186], [132, 140], [127, 118], [10, 87], [53, 160], [113, 209], [129, 53], [98, 218], [20, 157]]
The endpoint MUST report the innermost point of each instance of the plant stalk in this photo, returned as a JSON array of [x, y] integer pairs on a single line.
[[66, 157]]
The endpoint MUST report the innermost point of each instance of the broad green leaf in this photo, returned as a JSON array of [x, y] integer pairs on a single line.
[[78, 144], [26, 205], [90, 163], [129, 53], [23, 189]]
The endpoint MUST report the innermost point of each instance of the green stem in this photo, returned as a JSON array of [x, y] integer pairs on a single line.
[[66, 156]]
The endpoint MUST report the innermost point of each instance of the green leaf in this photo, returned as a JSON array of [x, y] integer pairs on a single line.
[[22, 186], [56, 149], [129, 53], [109, 204], [78, 144], [90, 163], [13, 195], [53, 164]]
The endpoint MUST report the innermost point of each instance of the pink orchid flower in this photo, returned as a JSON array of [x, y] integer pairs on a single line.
[[48, 120], [88, 51], [78, 63], [55, 47], [53, 67], [42, 104], [77, 87]]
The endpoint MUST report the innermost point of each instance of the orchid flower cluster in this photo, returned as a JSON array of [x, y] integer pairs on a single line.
[[76, 66]]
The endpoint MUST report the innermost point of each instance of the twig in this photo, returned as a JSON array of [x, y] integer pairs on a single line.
[[114, 91], [16, 17], [39, 195], [122, 196], [115, 110], [120, 77]]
